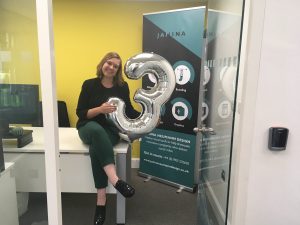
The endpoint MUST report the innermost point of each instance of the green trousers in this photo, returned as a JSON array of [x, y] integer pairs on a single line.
[[101, 140]]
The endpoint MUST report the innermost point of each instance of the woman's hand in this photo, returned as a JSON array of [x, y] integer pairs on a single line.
[[107, 108], [102, 109]]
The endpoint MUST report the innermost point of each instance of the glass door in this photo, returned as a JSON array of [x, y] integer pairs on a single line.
[[29, 190], [23, 180], [215, 130]]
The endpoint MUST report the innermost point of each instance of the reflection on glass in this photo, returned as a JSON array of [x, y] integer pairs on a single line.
[[25, 191], [222, 44]]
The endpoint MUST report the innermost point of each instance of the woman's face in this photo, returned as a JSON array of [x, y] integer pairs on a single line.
[[110, 67]]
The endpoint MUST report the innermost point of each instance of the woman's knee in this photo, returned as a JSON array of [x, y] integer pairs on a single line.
[[92, 133], [95, 129]]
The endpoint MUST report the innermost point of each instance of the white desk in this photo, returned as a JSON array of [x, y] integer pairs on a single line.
[[75, 166], [8, 203]]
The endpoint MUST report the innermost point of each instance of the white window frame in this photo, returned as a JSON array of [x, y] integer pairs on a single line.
[[50, 118]]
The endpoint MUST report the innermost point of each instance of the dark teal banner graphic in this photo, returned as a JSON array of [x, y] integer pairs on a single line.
[[177, 25], [168, 153]]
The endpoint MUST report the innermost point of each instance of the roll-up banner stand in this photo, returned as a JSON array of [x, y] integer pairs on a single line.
[[168, 152]]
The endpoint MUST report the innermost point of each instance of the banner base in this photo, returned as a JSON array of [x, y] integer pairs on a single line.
[[179, 186]]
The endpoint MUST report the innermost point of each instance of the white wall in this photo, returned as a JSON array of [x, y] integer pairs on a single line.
[[267, 183]]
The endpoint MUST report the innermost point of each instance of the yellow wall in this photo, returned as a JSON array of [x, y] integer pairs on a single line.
[[84, 30]]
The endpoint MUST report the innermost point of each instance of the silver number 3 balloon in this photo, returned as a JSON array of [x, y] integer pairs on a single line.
[[151, 100]]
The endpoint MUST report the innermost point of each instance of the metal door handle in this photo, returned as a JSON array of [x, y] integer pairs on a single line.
[[204, 130]]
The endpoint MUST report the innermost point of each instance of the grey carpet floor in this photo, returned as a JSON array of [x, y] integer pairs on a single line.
[[153, 204]]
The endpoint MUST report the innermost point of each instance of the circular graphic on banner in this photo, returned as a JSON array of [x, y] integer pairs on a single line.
[[205, 111], [180, 111], [224, 109], [206, 75], [184, 72]]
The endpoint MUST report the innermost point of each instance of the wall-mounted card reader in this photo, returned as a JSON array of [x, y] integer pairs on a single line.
[[278, 138]]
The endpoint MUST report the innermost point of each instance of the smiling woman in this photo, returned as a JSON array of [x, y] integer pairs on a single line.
[[95, 131]]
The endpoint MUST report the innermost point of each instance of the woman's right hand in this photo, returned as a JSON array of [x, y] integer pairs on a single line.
[[102, 109], [107, 108]]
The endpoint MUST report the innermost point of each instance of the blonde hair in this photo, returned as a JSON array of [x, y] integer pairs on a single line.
[[118, 79]]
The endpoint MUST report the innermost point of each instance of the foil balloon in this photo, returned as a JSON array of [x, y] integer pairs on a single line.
[[151, 100]]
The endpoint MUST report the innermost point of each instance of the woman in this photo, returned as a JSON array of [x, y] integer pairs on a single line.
[[99, 133]]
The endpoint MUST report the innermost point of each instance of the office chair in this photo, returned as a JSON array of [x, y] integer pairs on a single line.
[[63, 118]]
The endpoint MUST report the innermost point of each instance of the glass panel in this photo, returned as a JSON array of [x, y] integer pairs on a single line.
[[24, 188], [85, 30], [224, 21]]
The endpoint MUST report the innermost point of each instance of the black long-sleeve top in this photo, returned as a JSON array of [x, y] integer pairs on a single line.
[[94, 94]]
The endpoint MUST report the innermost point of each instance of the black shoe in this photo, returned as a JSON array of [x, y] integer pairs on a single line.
[[125, 189], [99, 215]]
